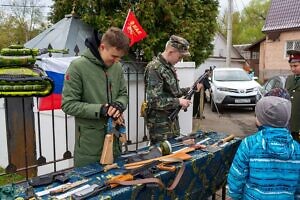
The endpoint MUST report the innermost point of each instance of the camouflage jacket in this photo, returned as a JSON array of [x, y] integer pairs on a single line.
[[162, 85]]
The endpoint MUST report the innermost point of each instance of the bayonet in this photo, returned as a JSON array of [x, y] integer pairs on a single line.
[[67, 186]]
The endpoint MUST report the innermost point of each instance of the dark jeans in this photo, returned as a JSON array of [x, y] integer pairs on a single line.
[[296, 136], [196, 103]]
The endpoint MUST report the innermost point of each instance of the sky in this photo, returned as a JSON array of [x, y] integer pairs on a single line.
[[237, 5]]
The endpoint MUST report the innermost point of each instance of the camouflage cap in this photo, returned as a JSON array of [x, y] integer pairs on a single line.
[[181, 44], [294, 56]]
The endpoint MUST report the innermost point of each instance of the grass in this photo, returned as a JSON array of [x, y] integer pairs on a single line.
[[9, 178]]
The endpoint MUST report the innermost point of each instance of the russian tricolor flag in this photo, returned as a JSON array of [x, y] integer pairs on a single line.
[[55, 69]]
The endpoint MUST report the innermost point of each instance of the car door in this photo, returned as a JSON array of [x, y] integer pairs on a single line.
[[266, 87], [271, 84], [277, 83]]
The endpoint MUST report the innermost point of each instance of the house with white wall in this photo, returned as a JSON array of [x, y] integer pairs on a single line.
[[219, 54]]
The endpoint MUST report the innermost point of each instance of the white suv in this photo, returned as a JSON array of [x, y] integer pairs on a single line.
[[232, 87]]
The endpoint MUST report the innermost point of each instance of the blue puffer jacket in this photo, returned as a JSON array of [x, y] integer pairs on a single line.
[[266, 166]]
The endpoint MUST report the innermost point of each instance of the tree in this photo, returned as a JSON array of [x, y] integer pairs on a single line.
[[22, 23], [247, 25], [194, 19]]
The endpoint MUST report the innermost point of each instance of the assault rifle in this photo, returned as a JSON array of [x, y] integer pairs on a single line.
[[122, 179], [113, 128], [189, 95]]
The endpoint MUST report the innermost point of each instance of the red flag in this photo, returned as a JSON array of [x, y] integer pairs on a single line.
[[133, 29]]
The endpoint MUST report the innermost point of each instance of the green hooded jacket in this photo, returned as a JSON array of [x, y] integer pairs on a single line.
[[88, 85]]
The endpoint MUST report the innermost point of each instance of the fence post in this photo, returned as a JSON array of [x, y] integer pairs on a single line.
[[21, 140]]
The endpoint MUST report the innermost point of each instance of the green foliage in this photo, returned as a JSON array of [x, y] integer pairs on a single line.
[[247, 25], [193, 19], [9, 178]]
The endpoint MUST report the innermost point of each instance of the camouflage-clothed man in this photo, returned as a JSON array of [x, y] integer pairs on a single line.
[[163, 92]]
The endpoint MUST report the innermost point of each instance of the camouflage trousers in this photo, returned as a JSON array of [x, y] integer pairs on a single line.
[[161, 128]]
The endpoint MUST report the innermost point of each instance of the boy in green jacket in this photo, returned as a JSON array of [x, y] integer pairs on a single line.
[[94, 89]]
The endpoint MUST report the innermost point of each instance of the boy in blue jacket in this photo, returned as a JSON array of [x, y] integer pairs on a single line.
[[267, 164]]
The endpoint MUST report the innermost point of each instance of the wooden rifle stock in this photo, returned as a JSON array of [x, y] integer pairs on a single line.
[[107, 156]]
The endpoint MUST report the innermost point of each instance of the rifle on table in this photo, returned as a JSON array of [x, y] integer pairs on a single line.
[[122, 179], [60, 176], [196, 135], [223, 141], [216, 146], [67, 187], [181, 154], [189, 95]]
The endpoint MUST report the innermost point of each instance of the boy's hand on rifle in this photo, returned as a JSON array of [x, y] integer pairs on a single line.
[[199, 87], [114, 110], [120, 120], [185, 103]]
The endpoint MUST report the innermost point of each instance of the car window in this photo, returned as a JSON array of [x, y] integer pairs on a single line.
[[277, 84], [231, 75], [270, 85]]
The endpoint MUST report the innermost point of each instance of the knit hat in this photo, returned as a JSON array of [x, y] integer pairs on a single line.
[[279, 92], [273, 111]]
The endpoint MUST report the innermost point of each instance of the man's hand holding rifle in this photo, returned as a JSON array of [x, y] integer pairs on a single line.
[[115, 127], [186, 100]]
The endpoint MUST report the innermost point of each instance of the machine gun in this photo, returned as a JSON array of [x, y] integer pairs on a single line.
[[189, 95]]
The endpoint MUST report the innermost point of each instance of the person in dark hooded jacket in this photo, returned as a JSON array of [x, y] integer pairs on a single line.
[[267, 164], [94, 89]]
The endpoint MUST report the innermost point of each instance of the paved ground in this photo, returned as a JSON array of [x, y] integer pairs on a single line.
[[237, 121]]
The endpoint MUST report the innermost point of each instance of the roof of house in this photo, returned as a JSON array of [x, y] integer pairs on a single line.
[[70, 32], [241, 47], [283, 15], [235, 53], [254, 44]]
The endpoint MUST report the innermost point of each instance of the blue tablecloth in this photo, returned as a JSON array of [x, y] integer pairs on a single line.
[[204, 174]]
